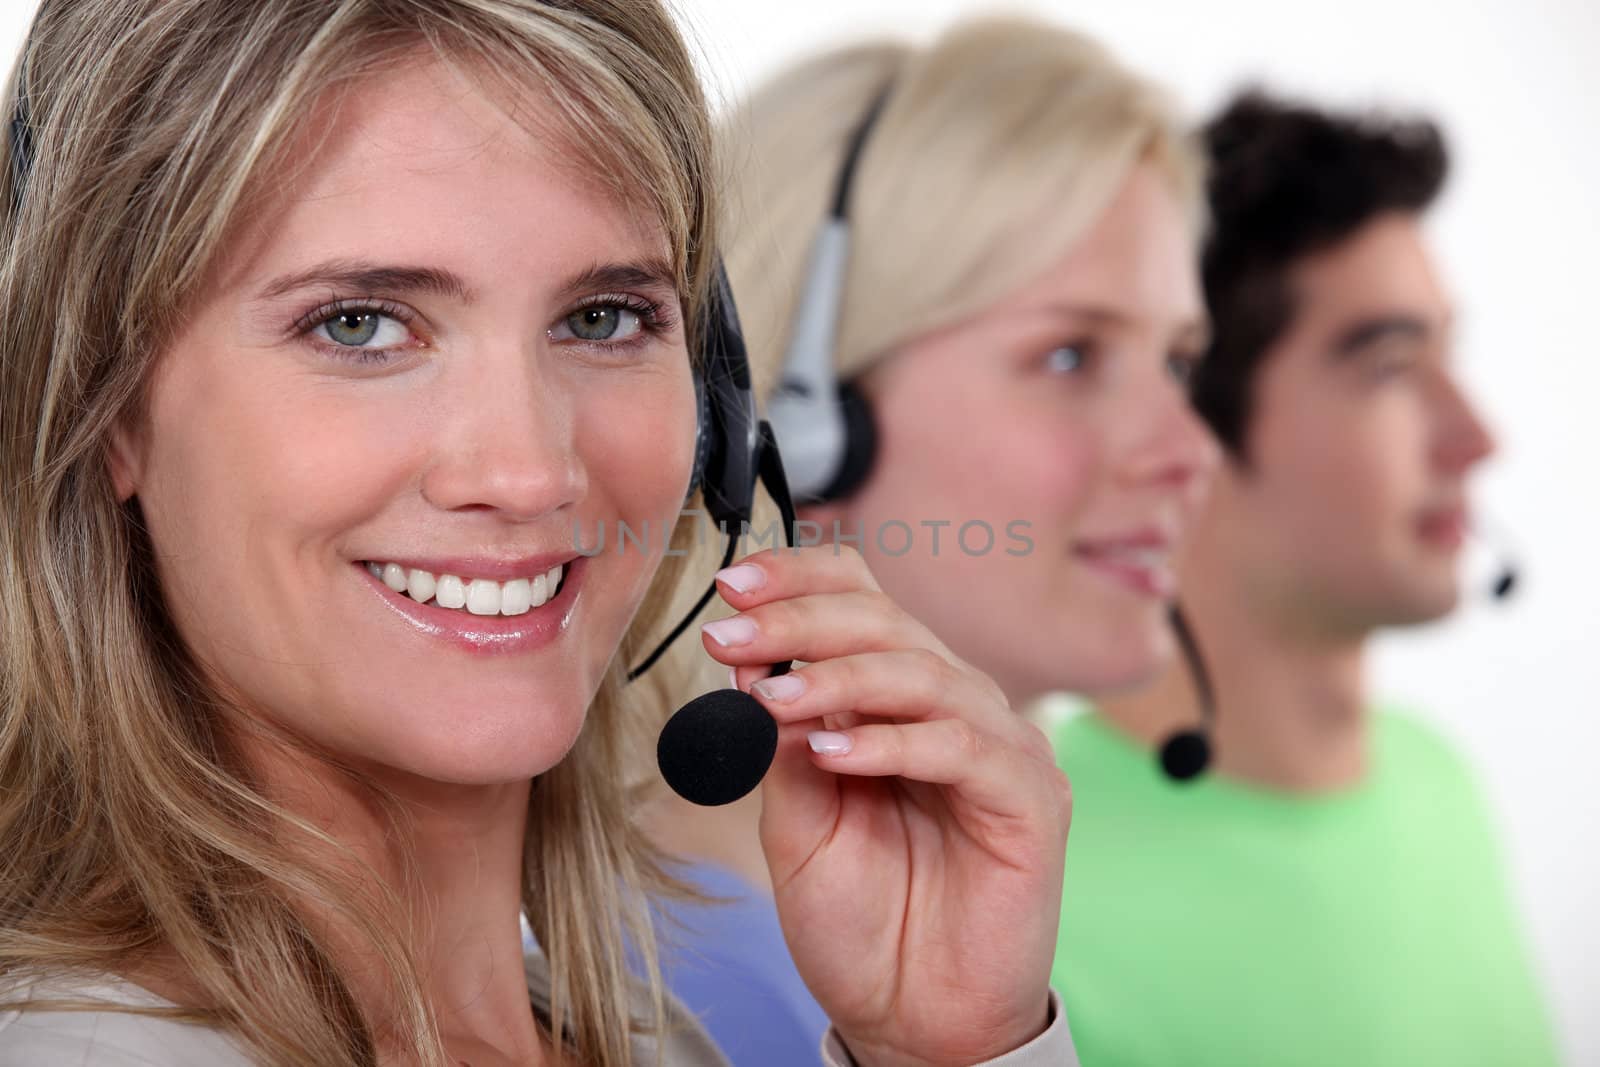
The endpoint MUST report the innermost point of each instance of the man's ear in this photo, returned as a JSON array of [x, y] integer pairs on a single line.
[[125, 451]]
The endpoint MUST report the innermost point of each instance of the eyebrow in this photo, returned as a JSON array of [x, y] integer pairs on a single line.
[[1195, 331], [1367, 333], [651, 272], [360, 276], [364, 277]]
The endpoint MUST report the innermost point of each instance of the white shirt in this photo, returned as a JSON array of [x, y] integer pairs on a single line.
[[117, 1038]]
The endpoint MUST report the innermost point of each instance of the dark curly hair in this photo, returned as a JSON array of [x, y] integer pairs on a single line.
[[1286, 181]]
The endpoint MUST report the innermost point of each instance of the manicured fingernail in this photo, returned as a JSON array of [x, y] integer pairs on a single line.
[[783, 687], [731, 632], [828, 743], [733, 677], [742, 578]]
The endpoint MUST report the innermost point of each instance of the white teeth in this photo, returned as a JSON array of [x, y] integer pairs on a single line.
[[420, 585], [394, 576], [480, 596], [451, 593], [514, 597], [483, 597], [1142, 557]]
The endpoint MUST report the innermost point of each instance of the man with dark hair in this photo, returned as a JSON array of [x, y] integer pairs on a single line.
[[1330, 893]]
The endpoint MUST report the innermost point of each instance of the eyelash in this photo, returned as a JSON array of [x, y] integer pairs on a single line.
[[1181, 365], [654, 319], [1388, 368], [1184, 366], [333, 309], [1088, 355]]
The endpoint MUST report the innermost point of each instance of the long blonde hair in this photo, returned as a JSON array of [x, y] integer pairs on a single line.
[[128, 823], [997, 147]]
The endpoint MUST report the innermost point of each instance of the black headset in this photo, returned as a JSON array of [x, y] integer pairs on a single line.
[[718, 747], [734, 448], [728, 434]]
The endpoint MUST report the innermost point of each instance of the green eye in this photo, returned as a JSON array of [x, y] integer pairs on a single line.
[[353, 327], [603, 322], [365, 333], [1065, 360]]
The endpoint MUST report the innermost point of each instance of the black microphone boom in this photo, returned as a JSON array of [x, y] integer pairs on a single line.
[[1187, 753], [1507, 571], [717, 748]]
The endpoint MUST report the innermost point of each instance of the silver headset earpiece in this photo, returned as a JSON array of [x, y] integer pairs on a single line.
[[804, 409], [824, 427]]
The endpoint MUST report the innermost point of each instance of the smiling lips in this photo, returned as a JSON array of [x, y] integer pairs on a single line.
[[480, 605], [1444, 527], [478, 596], [1141, 562]]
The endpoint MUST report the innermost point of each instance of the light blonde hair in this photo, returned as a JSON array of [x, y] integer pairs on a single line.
[[130, 829], [998, 146]]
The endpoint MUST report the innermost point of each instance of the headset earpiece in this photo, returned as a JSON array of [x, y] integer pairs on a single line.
[[727, 439], [825, 426], [702, 422], [860, 442]]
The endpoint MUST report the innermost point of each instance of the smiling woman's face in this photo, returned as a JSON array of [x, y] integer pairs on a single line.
[[1047, 433], [428, 360]]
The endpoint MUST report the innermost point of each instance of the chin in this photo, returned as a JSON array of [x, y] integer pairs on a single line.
[[481, 739], [1424, 592], [1423, 606], [1115, 659], [492, 762]]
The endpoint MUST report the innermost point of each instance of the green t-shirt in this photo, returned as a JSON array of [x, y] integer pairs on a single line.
[[1218, 925]]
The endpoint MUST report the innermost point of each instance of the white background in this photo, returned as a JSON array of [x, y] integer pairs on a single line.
[[1515, 83]]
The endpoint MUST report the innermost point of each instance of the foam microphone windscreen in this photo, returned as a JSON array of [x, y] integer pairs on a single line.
[[1505, 582], [717, 748], [1186, 755]]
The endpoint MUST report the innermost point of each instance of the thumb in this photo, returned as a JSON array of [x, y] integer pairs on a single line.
[[799, 803]]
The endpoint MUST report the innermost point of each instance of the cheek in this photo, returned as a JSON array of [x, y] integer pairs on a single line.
[[1364, 468], [957, 450], [1334, 494], [246, 477], [1039, 465], [638, 468], [1065, 463], [637, 446]]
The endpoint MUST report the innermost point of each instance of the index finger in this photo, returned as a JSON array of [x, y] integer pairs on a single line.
[[781, 573]]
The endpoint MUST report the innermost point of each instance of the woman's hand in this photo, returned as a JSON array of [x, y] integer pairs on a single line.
[[915, 826]]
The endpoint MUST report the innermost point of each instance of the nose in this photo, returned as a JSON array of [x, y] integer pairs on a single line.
[[1462, 439], [1170, 447], [507, 440]]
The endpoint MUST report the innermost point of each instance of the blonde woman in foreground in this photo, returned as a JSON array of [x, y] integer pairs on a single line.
[[991, 243], [325, 325]]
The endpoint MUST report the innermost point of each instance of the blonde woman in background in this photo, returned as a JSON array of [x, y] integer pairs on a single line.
[[1017, 311], [325, 323]]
